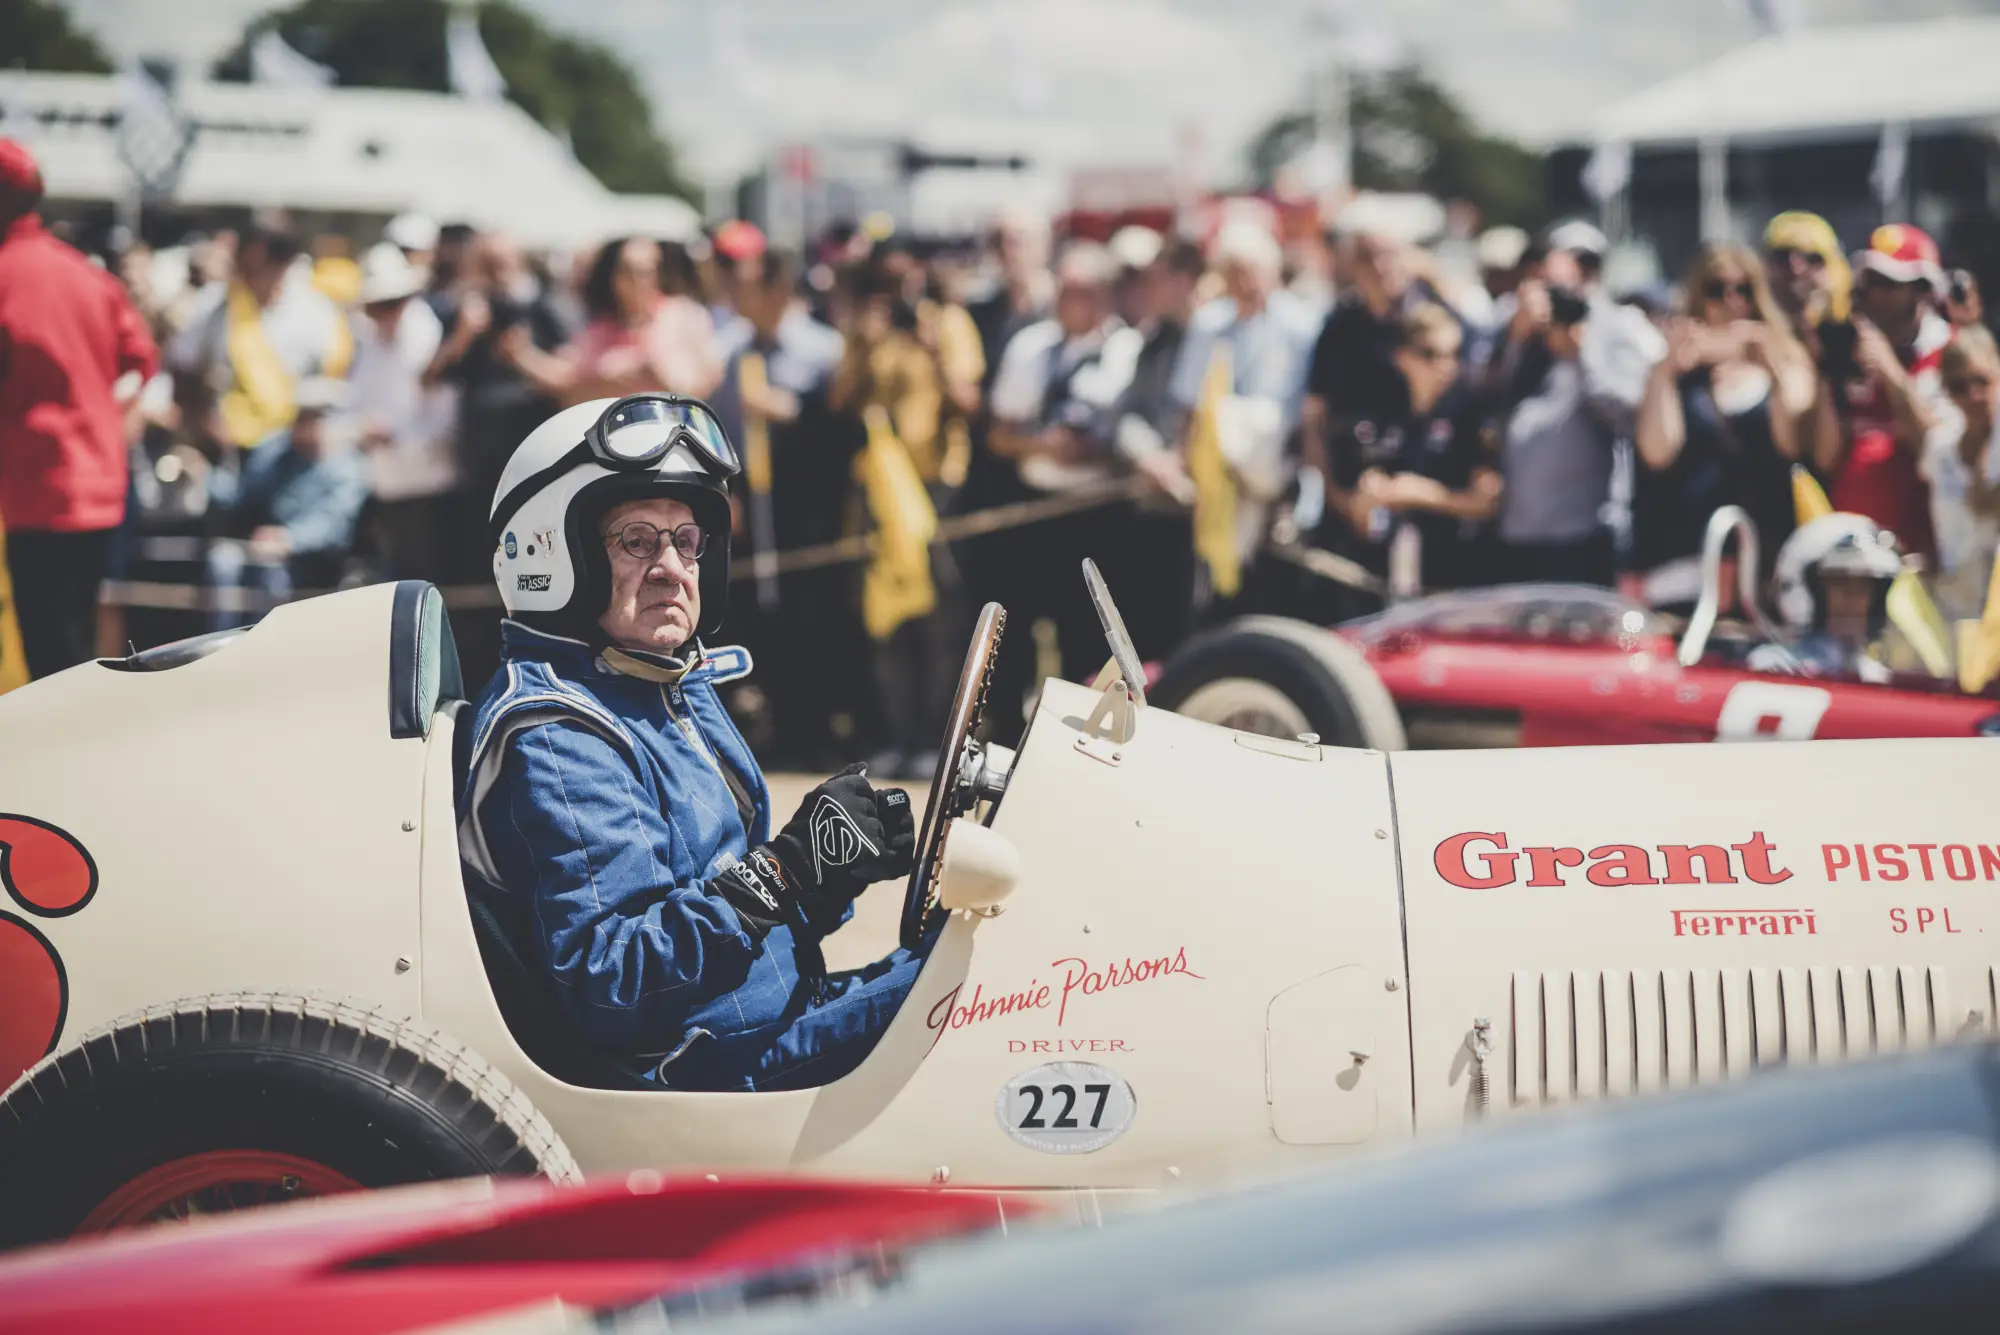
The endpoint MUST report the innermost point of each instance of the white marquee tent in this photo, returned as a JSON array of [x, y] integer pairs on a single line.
[[342, 150], [1822, 83]]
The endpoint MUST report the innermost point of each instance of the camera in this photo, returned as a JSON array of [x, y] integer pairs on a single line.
[[1567, 306], [1836, 342]]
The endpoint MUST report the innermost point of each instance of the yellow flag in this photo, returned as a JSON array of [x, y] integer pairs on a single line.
[[13, 658], [1979, 641], [1913, 613], [1809, 500], [751, 380], [897, 585], [1214, 488]]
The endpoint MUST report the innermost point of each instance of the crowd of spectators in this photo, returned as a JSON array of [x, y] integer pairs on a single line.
[[1439, 419]]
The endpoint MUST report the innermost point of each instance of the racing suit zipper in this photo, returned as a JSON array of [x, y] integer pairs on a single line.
[[671, 697], [676, 704]]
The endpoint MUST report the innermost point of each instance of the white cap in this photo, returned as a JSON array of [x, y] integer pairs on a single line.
[[1578, 237], [1500, 248], [412, 231], [1136, 247], [388, 275], [1248, 244]]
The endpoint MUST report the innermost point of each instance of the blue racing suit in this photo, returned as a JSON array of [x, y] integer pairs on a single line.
[[608, 797]]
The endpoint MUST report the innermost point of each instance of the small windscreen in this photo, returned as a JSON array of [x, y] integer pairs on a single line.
[[1122, 652]]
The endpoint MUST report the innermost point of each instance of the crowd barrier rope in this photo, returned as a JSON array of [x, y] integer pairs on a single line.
[[183, 597]]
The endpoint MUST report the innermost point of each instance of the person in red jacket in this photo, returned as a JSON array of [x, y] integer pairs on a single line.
[[68, 336]]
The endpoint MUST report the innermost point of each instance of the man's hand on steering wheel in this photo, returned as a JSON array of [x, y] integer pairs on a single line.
[[845, 836]]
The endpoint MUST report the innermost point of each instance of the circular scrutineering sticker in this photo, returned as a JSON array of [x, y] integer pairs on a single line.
[[1066, 1107]]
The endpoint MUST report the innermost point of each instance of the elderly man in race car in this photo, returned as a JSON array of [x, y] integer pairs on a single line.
[[612, 800]]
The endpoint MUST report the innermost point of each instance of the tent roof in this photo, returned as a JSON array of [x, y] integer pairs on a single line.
[[1820, 83], [363, 150]]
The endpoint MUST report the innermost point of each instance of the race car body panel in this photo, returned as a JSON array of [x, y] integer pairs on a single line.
[[1618, 921], [245, 820]]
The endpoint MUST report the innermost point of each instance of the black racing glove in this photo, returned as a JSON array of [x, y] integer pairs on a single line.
[[844, 837]]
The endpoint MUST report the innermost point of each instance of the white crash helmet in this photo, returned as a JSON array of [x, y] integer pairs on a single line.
[[548, 557], [1836, 544]]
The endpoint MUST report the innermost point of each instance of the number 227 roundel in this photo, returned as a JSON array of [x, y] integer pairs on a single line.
[[1066, 1107]]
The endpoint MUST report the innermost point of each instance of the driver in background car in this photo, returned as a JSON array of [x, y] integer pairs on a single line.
[[1833, 578], [613, 803]]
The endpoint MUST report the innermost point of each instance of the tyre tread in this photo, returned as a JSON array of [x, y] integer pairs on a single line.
[[453, 1078]]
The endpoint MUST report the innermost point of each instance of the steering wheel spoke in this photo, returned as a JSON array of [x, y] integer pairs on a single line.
[[962, 773]]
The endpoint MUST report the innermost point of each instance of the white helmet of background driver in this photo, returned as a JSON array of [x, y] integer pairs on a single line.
[[549, 555], [1836, 544]]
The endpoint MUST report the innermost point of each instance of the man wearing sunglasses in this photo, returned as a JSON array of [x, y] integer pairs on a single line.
[[614, 809]]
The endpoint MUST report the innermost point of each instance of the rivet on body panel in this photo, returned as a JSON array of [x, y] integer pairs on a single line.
[[941, 1176], [408, 826], [1173, 1173], [402, 964], [1391, 984], [1381, 834]]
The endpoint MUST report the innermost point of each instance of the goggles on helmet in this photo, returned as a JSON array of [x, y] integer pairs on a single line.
[[638, 430], [633, 435]]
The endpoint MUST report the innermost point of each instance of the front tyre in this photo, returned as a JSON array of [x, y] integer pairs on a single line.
[[223, 1102], [1279, 678]]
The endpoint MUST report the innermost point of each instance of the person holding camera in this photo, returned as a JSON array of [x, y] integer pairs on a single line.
[[1962, 464], [1720, 421], [1417, 481], [497, 401], [1571, 370], [1884, 392]]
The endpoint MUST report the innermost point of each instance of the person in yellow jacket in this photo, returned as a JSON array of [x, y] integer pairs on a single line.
[[911, 370], [252, 338]]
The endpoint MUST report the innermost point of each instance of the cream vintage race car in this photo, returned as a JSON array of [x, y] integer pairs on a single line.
[[1175, 953]]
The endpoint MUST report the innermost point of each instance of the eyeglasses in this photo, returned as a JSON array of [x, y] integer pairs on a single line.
[[1715, 290], [642, 541], [1786, 254]]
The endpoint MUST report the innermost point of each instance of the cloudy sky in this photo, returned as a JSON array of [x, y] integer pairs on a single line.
[[1083, 82]]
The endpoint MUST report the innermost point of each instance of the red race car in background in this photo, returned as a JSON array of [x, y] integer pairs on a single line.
[[1553, 665]]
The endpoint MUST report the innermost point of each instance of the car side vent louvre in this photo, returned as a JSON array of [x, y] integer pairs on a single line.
[[1591, 1034]]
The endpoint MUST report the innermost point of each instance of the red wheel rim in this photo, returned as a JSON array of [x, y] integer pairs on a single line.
[[213, 1182]]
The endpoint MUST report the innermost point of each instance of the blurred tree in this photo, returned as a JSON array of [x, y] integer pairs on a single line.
[[1412, 134], [573, 87], [38, 34]]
